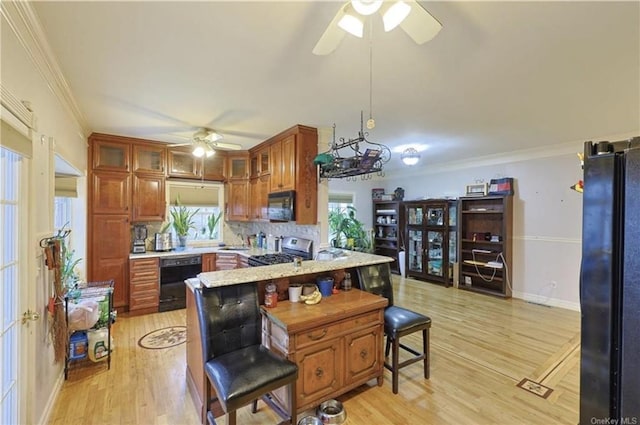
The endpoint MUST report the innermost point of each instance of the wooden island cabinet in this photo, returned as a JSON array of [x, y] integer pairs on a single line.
[[336, 344]]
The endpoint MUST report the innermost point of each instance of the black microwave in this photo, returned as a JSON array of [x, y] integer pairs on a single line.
[[281, 206]]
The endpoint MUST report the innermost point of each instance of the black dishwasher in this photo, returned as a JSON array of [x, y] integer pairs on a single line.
[[173, 272]]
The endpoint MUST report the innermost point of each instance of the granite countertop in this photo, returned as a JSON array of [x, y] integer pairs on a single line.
[[351, 259], [200, 251]]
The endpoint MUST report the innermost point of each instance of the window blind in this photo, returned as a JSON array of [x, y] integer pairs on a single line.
[[341, 198], [15, 141], [66, 186], [194, 195]]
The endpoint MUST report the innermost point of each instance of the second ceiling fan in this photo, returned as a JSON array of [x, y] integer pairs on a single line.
[[206, 141], [419, 24]]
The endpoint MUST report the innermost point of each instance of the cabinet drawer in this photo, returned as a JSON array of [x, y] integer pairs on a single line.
[[144, 275], [145, 285], [144, 300], [333, 330], [144, 263]]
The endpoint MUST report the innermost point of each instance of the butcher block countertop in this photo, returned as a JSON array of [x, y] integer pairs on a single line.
[[350, 259]]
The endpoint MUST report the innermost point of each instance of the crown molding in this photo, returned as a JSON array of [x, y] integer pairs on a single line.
[[539, 152], [25, 24]]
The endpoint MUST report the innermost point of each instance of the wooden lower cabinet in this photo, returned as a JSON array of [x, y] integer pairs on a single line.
[[208, 262], [226, 261], [144, 286], [109, 259], [337, 345]]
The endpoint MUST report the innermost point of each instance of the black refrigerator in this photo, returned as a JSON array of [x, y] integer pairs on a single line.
[[610, 284]]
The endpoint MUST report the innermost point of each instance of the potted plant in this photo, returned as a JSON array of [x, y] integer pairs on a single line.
[[182, 221], [347, 231], [212, 223]]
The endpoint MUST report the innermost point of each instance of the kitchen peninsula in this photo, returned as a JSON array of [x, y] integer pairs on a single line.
[[339, 341]]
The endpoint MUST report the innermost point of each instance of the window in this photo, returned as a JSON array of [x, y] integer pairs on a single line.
[[62, 217], [10, 164], [338, 202], [206, 201]]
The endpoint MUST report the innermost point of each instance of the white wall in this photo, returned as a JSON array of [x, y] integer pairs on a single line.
[[56, 131], [547, 226]]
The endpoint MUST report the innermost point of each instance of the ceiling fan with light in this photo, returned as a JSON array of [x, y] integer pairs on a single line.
[[206, 141], [419, 24]]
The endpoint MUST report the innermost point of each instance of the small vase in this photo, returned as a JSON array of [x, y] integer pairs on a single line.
[[182, 241]]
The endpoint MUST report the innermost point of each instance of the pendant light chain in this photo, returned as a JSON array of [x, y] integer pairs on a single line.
[[371, 123]]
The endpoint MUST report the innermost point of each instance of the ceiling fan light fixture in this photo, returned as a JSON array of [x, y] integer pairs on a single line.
[[366, 7], [209, 152], [395, 14], [198, 151], [352, 25], [410, 156]]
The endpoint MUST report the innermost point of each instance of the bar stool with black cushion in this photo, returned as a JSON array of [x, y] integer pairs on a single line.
[[240, 369], [398, 321]]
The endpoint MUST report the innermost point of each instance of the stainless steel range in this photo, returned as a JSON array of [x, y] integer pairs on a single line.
[[291, 247]]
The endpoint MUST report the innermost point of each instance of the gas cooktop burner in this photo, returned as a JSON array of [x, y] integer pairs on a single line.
[[268, 259]]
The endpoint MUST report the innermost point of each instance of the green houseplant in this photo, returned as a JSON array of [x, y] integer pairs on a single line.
[[182, 221], [347, 231], [212, 223]]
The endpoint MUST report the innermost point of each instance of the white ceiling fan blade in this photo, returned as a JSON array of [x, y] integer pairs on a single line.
[[420, 25], [175, 145], [332, 36], [225, 146]]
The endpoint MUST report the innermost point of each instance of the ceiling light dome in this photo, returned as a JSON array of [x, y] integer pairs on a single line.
[[410, 156], [366, 7]]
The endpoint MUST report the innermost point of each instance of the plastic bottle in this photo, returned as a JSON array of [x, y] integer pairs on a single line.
[[346, 283], [98, 349], [271, 296]]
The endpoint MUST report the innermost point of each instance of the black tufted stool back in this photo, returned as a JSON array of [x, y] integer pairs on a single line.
[[398, 321], [238, 367]]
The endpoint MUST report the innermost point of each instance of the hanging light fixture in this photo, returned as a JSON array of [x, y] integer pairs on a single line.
[[410, 156]]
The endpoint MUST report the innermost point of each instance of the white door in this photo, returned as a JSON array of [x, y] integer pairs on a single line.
[[14, 343]]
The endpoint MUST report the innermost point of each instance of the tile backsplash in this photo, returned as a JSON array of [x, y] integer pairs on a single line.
[[233, 229]]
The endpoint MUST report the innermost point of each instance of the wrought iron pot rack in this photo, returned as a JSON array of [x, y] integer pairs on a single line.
[[358, 161]]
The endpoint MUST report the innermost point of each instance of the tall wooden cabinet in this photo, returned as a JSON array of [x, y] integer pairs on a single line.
[[108, 230], [387, 231], [486, 227], [431, 234], [126, 185]]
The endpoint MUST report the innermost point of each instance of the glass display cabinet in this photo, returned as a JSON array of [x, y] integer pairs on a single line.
[[431, 235]]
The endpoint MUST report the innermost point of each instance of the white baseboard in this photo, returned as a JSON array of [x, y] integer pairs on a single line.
[[44, 419], [550, 302]]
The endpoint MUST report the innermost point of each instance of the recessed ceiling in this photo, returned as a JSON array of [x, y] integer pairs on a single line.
[[500, 76]]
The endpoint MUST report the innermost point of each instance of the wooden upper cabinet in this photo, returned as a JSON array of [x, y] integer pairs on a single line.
[[238, 165], [148, 197], [260, 164], [110, 155], [149, 158], [213, 167], [282, 154], [258, 194], [181, 163], [237, 194], [110, 192]]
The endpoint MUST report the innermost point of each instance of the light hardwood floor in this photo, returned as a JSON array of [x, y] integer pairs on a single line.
[[481, 348]]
